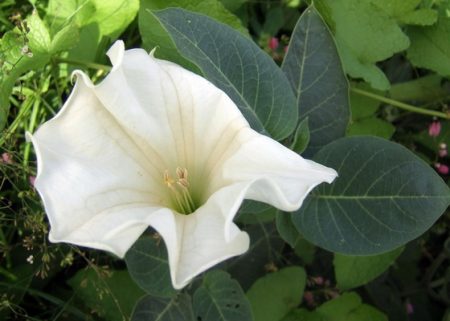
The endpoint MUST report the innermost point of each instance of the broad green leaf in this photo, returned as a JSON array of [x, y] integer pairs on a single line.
[[273, 296], [291, 235], [112, 16], [263, 254], [349, 307], [407, 11], [363, 106], [177, 308], [314, 70], [65, 39], [301, 137], [238, 66], [353, 271], [39, 36], [365, 35], [425, 89], [430, 46], [148, 266], [303, 315], [221, 298], [112, 294], [371, 126], [384, 197]]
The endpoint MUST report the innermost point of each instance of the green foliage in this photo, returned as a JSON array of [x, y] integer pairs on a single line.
[[112, 294], [273, 296], [353, 271], [365, 35], [177, 308], [378, 201], [243, 71], [148, 266], [407, 11], [314, 70]]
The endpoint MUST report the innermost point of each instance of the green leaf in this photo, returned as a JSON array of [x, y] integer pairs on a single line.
[[39, 36], [148, 266], [112, 294], [112, 16], [65, 39], [349, 307], [303, 315], [314, 70], [220, 298], [407, 11], [371, 126], [245, 72], [430, 47], [301, 137], [384, 197], [273, 296], [353, 271], [365, 35], [429, 88], [177, 308]]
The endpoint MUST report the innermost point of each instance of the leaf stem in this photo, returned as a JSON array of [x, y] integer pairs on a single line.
[[400, 104], [86, 64]]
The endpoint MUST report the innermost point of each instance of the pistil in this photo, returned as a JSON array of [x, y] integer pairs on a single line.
[[180, 190]]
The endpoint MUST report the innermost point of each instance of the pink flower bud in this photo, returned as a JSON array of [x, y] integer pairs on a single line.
[[309, 298], [273, 43], [434, 129], [318, 280], [7, 158], [32, 179], [442, 150], [441, 168], [409, 308]]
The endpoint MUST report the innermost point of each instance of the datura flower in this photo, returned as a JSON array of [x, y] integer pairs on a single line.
[[156, 145]]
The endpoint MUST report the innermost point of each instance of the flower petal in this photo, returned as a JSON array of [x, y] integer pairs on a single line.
[[90, 172]]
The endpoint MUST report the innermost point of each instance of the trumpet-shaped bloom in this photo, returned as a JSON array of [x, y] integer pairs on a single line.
[[156, 145]]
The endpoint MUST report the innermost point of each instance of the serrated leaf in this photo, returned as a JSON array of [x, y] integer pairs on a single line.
[[314, 70], [221, 298], [365, 35], [273, 296], [111, 294], [148, 266], [245, 72], [177, 308], [384, 197], [430, 46], [353, 271]]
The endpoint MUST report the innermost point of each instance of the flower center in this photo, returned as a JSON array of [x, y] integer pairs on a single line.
[[181, 195]]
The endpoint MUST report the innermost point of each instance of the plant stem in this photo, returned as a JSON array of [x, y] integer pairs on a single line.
[[401, 105], [86, 64]]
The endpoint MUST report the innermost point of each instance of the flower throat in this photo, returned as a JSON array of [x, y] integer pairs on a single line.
[[181, 195]]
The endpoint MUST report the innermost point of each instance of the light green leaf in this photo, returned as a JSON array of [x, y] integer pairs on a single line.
[[65, 39], [353, 271], [245, 72], [384, 197], [301, 137], [178, 308], [112, 16], [365, 35], [429, 88], [430, 46], [221, 298], [314, 70], [407, 11], [148, 266], [112, 294], [39, 35], [371, 126], [273, 296], [349, 307]]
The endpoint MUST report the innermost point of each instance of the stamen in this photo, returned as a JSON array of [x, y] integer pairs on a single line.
[[180, 190]]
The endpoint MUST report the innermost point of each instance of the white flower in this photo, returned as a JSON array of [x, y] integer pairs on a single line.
[[156, 145]]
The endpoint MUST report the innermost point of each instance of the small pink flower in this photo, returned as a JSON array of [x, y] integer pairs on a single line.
[[309, 298], [443, 150], [31, 179], [409, 308], [318, 280], [441, 168], [7, 158], [274, 43], [285, 48], [434, 129]]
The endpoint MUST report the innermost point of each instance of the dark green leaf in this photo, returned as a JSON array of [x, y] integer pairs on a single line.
[[177, 308], [220, 298], [371, 126], [148, 266], [301, 137], [384, 197], [273, 296], [353, 271], [238, 66], [112, 294], [314, 70]]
